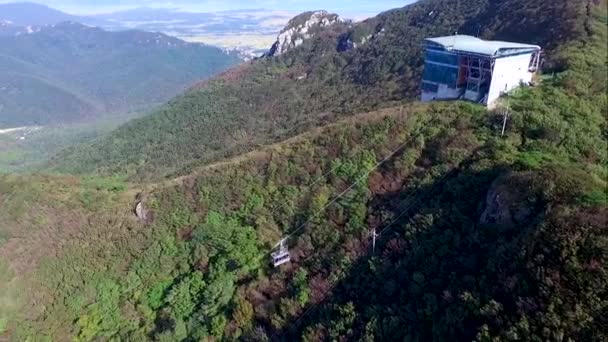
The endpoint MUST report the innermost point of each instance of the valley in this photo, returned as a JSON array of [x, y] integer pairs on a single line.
[[27, 149], [404, 221], [80, 82], [247, 44], [246, 32]]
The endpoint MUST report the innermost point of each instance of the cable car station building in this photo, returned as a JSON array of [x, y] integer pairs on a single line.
[[466, 67]]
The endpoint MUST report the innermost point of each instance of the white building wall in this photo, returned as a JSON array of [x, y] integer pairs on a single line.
[[508, 74]]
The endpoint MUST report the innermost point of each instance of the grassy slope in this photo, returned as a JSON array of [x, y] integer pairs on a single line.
[[264, 101], [200, 267]]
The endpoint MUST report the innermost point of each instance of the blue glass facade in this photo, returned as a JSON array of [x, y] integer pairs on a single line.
[[440, 67], [440, 74], [441, 57]]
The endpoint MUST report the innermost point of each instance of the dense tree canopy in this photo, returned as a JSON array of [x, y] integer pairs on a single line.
[[323, 80], [483, 237]]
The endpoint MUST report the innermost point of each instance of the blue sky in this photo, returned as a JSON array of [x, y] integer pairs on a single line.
[[343, 7]]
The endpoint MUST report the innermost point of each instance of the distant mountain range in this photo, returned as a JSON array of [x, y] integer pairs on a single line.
[[27, 13], [247, 31], [70, 72]]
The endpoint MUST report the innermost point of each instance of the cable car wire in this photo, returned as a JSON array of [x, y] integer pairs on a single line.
[[359, 180], [341, 194], [389, 226]]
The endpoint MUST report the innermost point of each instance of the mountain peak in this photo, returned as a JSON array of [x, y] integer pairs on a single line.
[[29, 13], [24, 4], [300, 28], [321, 17]]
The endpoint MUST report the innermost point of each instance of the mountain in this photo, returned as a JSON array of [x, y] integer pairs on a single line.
[[8, 29], [340, 69], [246, 31], [32, 14], [415, 222], [301, 28], [71, 72]]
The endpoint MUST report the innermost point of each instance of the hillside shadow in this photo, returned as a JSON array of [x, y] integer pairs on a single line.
[[375, 280]]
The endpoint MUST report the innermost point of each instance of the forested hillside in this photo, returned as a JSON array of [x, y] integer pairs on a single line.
[[72, 73], [343, 69], [482, 237]]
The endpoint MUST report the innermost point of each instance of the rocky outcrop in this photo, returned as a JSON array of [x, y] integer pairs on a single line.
[[301, 28], [359, 36], [142, 212], [511, 200]]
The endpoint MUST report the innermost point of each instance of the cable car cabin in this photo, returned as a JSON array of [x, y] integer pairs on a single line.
[[281, 256], [469, 68]]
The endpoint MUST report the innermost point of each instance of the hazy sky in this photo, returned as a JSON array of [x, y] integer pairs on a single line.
[[343, 7]]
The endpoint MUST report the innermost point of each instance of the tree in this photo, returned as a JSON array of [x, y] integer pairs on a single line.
[[217, 294], [184, 297], [301, 287], [243, 315]]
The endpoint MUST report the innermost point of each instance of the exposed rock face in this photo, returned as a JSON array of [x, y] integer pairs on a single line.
[[359, 35], [141, 212], [508, 202], [300, 28]]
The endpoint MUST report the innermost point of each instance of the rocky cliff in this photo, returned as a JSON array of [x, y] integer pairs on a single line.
[[512, 200], [300, 28]]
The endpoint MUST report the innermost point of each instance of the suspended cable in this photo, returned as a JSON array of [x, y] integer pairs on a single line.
[[359, 180], [284, 255], [379, 235]]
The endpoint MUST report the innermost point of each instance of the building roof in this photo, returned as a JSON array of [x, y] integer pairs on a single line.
[[470, 44]]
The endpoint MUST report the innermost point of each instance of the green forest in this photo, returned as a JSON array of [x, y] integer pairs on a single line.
[[479, 237], [265, 102]]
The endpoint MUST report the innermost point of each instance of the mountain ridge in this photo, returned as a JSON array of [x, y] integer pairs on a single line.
[[90, 69], [245, 31], [30, 13], [298, 89]]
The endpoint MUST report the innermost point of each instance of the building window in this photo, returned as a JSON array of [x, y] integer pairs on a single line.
[[440, 74], [442, 57]]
